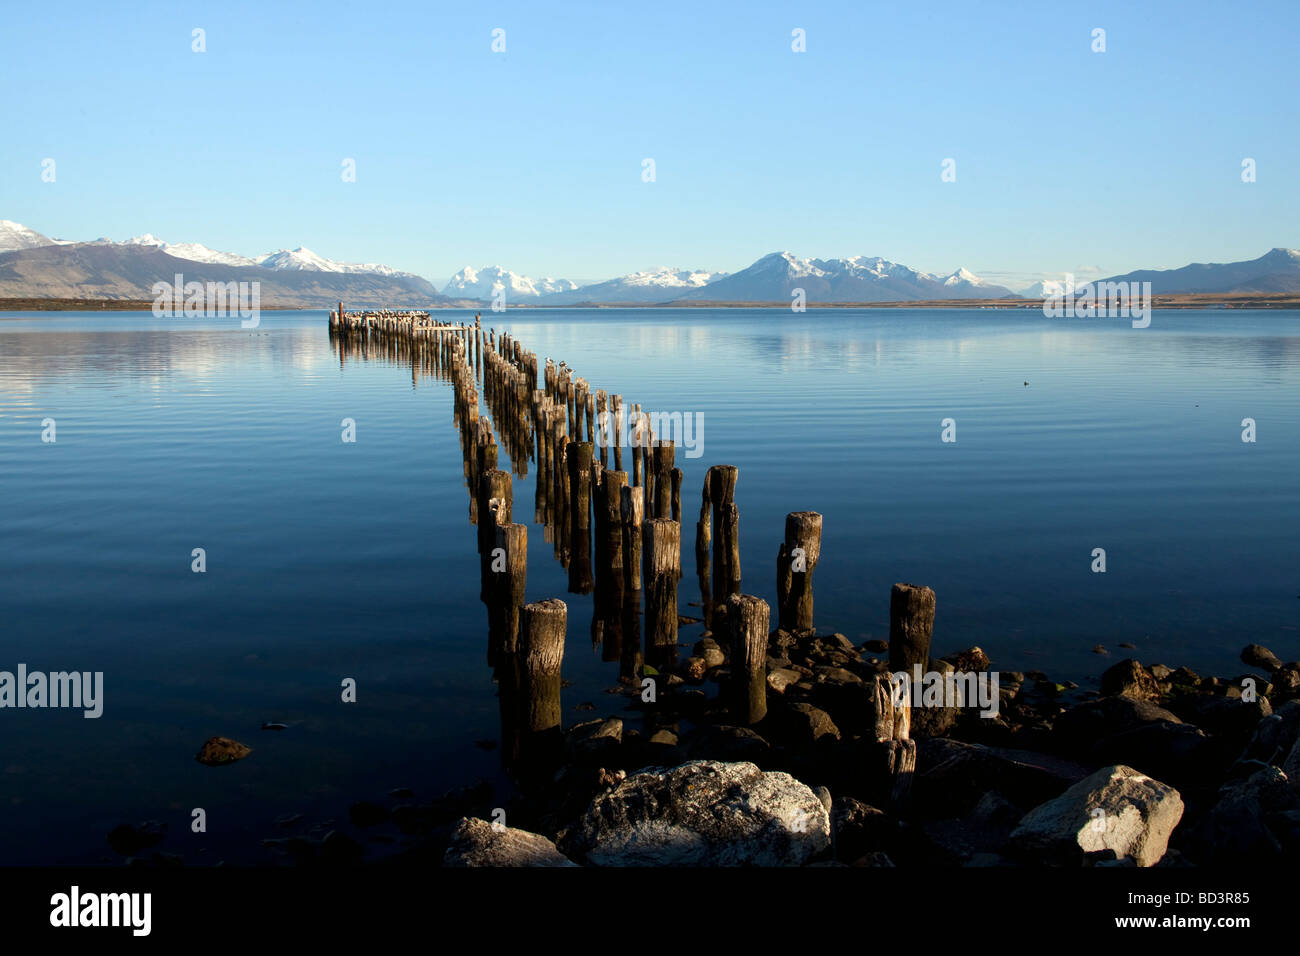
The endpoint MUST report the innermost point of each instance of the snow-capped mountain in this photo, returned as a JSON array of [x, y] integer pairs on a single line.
[[303, 259], [653, 285], [193, 251], [774, 278], [471, 283], [14, 235]]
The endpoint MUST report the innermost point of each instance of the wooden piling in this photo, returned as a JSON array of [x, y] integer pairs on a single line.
[[748, 618], [632, 511], [508, 576], [911, 625], [661, 560], [726, 531], [579, 465], [795, 562], [542, 628]]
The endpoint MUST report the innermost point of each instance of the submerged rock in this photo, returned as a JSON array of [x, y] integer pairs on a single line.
[[703, 813], [1116, 809], [221, 750], [476, 842], [129, 840]]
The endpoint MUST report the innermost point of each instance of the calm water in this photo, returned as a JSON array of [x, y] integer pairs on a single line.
[[328, 560]]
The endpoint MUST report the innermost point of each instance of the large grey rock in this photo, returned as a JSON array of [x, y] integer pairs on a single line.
[[703, 813], [1116, 808], [1236, 831], [476, 842]]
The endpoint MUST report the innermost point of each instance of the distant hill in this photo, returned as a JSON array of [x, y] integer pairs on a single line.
[[1278, 270], [129, 270]]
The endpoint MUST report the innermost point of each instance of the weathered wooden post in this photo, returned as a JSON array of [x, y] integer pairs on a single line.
[[726, 531], [508, 574], [495, 498], [664, 453], [541, 653], [661, 558], [748, 618], [616, 430], [795, 562], [896, 751], [579, 464], [632, 512], [609, 527], [911, 625], [703, 559]]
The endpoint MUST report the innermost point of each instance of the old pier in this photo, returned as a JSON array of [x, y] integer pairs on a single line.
[[618, 533]]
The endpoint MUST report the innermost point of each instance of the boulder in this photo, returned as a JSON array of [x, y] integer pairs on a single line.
[[1236, 832], [476, 842], [1117, 808], [807, 724], [952, 776], [859, 829], [721, 742], [594, 741], [703, 813], [1129, 678], [1257, 655]]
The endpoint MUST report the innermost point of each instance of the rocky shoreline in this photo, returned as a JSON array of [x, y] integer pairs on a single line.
[[1159, 766]]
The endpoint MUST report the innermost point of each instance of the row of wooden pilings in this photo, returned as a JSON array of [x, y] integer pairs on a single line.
[[617, 534]]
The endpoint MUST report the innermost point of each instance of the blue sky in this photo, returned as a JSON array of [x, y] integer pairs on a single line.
[[1065, 159]]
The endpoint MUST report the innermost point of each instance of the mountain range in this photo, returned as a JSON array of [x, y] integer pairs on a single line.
[[33, 265]]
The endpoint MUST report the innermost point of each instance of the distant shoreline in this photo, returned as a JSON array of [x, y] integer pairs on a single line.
[[1214, 300]]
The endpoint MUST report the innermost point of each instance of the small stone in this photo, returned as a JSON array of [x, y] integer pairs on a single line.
[[778, 679], [129, 840], [274, 725], [971, 660], [367, 814], [695, 668], [341, 848], [217, 751], [840, 642], [1099, 649], [877, 646], [708, 649]]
